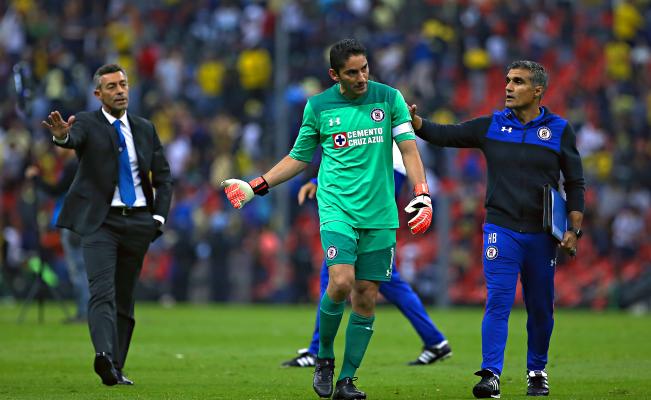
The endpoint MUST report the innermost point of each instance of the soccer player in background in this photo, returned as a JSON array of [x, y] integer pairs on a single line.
[[356, 122], [526, 146], [396, 291]]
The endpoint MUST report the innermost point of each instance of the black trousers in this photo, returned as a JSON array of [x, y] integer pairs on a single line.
[[113, 255]]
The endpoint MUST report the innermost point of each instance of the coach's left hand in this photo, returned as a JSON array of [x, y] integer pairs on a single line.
[[569, 243]]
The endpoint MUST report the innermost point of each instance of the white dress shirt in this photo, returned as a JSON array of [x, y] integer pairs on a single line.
[[141, 200]]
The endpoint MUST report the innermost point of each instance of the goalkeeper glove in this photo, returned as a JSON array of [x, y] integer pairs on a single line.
[[239, 192], [422, 205]]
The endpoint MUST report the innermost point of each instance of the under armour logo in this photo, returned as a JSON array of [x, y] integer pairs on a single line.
[[505, 129], [552, 263]]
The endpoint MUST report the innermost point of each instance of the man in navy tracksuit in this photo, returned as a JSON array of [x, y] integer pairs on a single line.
[[526, 146]]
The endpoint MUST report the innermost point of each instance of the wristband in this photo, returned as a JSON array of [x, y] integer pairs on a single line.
[[259, 186], [421, 188]]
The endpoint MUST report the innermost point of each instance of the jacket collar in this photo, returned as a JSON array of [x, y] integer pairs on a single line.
[[545, 115], [111, 119]]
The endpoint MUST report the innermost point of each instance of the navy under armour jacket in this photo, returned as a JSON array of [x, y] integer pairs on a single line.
[[520, 160]]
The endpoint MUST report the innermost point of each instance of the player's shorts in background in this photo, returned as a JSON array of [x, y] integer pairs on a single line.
[[371, 251]]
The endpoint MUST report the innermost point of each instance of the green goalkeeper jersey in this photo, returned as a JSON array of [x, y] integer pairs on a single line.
[[356, 173]]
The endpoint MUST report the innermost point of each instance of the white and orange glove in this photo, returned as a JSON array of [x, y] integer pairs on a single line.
[[422, 206], [239, 192]]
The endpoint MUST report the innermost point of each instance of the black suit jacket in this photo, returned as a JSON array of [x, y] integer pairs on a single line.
[[95, 141]]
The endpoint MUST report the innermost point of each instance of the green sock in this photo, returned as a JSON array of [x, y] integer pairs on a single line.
[[330, 314], [358, 335]]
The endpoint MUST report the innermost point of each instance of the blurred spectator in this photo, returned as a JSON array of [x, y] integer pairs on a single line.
[[204, 73], [628, 229], [70, 241]]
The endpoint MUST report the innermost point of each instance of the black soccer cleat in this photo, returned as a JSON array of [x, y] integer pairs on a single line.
[[323, 374], [489, 385], [346, 390], [432, 354], [537, 384], [303, 359]]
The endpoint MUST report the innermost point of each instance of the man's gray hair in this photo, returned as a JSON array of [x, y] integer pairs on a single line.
[[106, 69], [538, 73]]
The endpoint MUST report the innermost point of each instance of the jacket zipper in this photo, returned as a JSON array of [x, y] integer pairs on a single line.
[[522, 183]]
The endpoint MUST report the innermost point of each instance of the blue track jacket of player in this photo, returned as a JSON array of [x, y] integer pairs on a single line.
[[520, 159]]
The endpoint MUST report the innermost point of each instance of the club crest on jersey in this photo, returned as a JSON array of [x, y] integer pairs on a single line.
[[377, 114], [544, 133], [491, 252], [340, 140], [331, 253]]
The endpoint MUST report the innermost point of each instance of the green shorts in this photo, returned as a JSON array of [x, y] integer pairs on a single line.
[[370, 251]]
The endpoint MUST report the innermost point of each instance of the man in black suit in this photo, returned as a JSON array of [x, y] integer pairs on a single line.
[[113, 206]]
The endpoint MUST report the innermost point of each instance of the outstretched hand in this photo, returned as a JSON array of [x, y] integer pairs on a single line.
[[306, 191], [238, 192], [57, 126]]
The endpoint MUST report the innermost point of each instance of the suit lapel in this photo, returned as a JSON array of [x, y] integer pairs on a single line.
[[108, 129]]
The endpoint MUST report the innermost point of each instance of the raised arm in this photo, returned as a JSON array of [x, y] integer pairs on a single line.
[[59, 128], [469, 134], [240, 192], [285, 170]]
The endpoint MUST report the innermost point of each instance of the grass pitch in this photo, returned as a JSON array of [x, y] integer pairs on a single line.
[[234, 352]]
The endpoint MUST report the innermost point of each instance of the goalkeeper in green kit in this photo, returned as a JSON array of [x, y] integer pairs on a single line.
[[356, 122]]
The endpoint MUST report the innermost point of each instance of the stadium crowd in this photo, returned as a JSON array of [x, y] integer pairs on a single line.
[[203, 72]]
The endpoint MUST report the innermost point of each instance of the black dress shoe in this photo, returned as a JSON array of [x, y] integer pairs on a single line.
[[123, 380], [104, 368]]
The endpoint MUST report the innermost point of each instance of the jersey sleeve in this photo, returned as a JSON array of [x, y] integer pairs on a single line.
[[401, 128], [308, 137]]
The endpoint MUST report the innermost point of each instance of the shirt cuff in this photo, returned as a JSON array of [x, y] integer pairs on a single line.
[[61, 141], [159, 218]]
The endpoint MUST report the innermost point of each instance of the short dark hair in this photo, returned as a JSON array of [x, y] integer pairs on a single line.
[[538, 74], [106, 69], [342, 50]]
